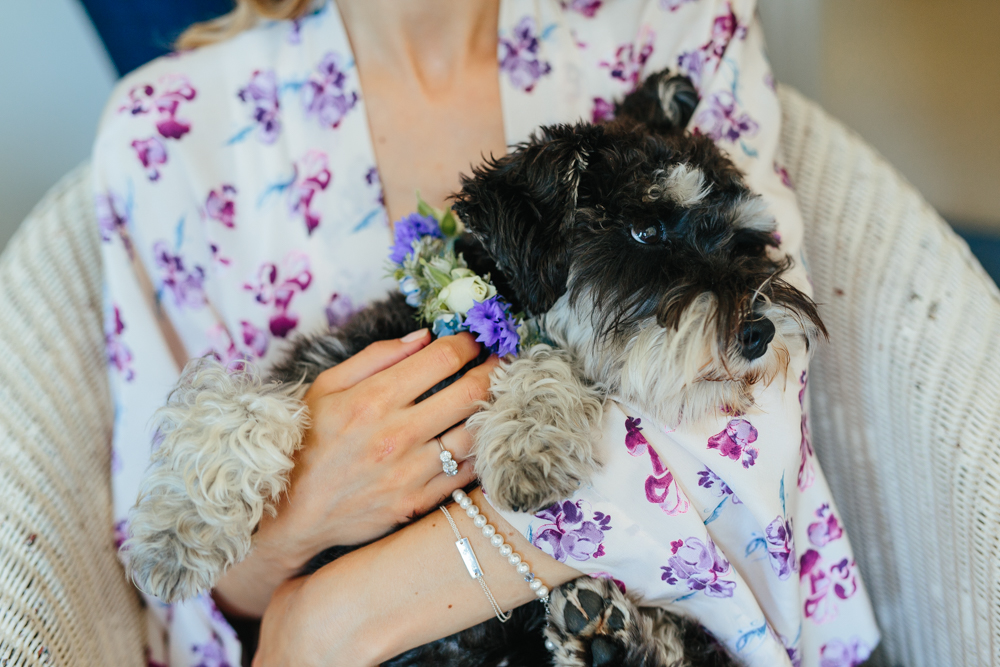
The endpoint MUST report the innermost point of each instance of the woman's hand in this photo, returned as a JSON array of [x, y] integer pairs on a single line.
[[369, 461]]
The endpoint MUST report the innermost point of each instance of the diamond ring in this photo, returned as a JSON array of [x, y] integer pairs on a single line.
[[448, 463]]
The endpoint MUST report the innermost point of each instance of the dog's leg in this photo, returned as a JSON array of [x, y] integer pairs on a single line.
[[534, 444], [225, 449], [593, 624]]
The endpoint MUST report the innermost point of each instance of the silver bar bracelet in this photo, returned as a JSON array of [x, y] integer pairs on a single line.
[[469, 558]]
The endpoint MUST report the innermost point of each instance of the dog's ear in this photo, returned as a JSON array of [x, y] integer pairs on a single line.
[[522, 206], [664, 103]]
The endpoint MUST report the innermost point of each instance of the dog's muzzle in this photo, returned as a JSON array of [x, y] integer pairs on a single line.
[[755, 337]]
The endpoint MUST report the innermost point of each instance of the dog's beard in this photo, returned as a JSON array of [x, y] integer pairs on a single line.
[[678, 373]]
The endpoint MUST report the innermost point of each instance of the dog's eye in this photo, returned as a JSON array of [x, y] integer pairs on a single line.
[[647, 234]]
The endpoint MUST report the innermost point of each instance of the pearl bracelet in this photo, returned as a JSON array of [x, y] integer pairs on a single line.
[[507, 551]]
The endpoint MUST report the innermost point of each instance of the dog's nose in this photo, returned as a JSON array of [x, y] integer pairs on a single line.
[[755, 337]]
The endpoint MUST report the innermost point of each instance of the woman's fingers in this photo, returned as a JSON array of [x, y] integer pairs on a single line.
[[455, 402], [372, 360], [414, 375], [440, 486]]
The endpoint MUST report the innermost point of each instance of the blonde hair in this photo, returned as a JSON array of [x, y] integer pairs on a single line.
[[244, 17]]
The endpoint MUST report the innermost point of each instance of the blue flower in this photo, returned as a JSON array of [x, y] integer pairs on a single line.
[[446, 325], [411, 290], [495, 326], [408, 230]]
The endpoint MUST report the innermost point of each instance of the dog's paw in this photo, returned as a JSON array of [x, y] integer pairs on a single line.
[[593, 624], [533, 444], [224, 451]]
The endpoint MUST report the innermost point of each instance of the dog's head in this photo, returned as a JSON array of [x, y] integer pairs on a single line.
[[647, 257]]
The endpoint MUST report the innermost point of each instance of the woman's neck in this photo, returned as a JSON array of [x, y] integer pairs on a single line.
[[433, 42]]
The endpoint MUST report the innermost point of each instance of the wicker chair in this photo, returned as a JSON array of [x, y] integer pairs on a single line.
[[904, 416]]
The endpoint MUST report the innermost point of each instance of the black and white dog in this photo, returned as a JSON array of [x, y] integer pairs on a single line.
[[654, 271]]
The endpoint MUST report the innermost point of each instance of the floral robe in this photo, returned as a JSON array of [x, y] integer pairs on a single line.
[[239, 203]]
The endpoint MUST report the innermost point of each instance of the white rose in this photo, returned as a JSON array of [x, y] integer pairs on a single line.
[[461, 272], [460, 295]]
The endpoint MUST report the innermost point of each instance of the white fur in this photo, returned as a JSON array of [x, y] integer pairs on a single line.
[[226, 451], [683, 184], [534, 443], [752, 213]]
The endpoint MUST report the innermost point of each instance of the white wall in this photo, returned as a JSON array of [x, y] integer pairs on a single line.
[[54, 79]]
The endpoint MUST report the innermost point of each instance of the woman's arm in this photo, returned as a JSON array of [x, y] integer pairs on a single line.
[[403, 591]]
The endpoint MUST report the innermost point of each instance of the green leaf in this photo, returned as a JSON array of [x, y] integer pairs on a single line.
[[440, 277], [449, 224], [423, 208]]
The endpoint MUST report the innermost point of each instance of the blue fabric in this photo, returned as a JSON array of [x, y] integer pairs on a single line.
[[986, 248], [136, 31]]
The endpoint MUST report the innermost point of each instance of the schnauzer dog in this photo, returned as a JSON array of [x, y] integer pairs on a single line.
[[649, 265]]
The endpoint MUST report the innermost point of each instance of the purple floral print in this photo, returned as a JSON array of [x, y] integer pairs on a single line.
[[824, 585], [703, 60], [603, 111], [781, 547], [838, 653], [807, 472], [709, 480], [217, 258], [112, 219], [674, 5], [262, 93], [519, 56], [174, 90], [312, 175], [827, 529], [661, 487], [734, 442], [277, 287], [187, 285], [224, 348], [586, 7], [572, 532], [211, 654], [373, 180], [721, 120], [629, 60], [151, 153], [325, 95], [699, 566], [786, 180], [120, 532], [119, 356], [221, 205], [338, 310]]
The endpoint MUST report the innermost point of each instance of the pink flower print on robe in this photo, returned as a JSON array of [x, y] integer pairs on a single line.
[[338, 310], [587, 8], [225, 351], [173, 91], [221, 205], [824, 585], [827, 529], [807, 471], [703, 60], [211, 654], [277, 287], [619, 584], [187, 285], [735, 441], [151, 153], [603, 111], [519, 56], [312, 175], [119, 356], [630, 59], [112, 219], [325, 95], [661, 488], [837, 653], [781, 547], [700, 566], [674, 5], [262, 93], [722, 120], [572, 531]]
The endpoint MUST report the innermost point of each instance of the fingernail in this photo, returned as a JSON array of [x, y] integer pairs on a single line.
[[416, 335]]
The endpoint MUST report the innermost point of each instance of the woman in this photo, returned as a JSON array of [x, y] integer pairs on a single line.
[[240, 204]]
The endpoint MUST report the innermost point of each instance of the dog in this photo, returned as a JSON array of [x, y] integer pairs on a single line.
[[654, 272]]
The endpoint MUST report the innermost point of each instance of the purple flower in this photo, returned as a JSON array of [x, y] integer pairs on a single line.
[[277, 287], [312, 175], [721, 120], [839, 579], [692, 64], [519, 56], [372, 178], [827, 529], [607, 575], [338, 310], [786, 180], [635, 441], [118, 355], [781, 547], [701, 567], [151, 153], [630, 59], [708, 480], [603, 111], [571, 533], [254, 339], [660, 487], [674, 5], [325, 95], [221, 205], [262, 93], [409, 229], [211, 654], [187, 285], [120, 532], [112, 219], [837, 653], [735, 441], [586, 7], [495, 326]]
